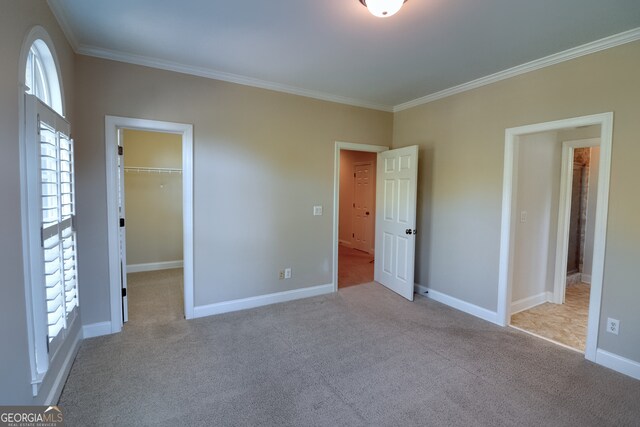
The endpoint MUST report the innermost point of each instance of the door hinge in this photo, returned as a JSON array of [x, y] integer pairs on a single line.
[[120, 150], [47, 343], [121, 222], [42, 236], [38, 127], [124, 292]]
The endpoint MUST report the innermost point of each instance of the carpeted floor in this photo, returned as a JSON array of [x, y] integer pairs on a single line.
[[564, 323], [363, 356], [354, 267], [155, 296]]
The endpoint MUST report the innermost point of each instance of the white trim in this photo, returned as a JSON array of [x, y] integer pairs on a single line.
[[564, 215], [605, 120], [618, 363], [112, 124], [556, 58], [154, 266], [96, 329], [336, 194], [474, 310], [210, 73], [61, 378], [261, 300], [530, 302]]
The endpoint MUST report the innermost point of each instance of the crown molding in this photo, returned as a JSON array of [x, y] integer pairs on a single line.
[[556, 58], [61, 17], [220, 75]]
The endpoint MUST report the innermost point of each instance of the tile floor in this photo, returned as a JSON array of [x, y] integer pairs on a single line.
[[564, 323]]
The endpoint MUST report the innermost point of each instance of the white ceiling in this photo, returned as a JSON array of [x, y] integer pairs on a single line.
[[334, 49]]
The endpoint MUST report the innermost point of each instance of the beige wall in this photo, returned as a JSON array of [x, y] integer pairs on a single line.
[[348, 159], [538, 194], [262, 160], [153, 200], [461, 141], [17, 18]]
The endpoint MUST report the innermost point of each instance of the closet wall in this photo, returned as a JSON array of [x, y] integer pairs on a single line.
[[153, 199]]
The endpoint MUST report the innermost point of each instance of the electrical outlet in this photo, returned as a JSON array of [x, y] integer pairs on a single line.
[[523, 216], [287, 273], [613, 326], [281, 274]]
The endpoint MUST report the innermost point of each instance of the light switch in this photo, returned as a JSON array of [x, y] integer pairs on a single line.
[[317, 210]]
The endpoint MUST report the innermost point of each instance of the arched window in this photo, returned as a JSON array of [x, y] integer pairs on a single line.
[[41, 76], [48, 208]]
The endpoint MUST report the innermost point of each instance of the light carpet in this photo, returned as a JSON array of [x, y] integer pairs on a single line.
[[363, 356]]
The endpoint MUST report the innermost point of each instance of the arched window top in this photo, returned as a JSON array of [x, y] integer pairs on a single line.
[[41, 70]]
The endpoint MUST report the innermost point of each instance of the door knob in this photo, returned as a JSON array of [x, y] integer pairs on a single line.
[[410, 231]]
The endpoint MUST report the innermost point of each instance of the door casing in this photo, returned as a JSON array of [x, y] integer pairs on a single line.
[[509, 196], [112, 124], [339, 145]]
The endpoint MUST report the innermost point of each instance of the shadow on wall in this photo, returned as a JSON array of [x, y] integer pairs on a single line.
[[424, 213]]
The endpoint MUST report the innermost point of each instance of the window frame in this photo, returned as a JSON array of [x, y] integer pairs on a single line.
[[37, 42]]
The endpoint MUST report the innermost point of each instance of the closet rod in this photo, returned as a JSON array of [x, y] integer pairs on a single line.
[[151, 170]]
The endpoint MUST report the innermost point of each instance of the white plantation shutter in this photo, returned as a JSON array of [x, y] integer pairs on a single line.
[[54, 286], [58, 234]]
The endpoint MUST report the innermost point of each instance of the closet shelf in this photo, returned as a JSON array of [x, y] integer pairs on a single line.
[[140, 169]]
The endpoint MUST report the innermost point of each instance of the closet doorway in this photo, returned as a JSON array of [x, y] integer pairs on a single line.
[[150, 220], [151, 204]]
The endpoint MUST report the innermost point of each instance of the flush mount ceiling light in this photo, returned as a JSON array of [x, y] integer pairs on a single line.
[[383, 8]]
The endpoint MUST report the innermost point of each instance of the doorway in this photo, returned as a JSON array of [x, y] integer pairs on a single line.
[[538, 306], [151, 204], [395, 215], [118, 170], [536, 209], [356, 250]]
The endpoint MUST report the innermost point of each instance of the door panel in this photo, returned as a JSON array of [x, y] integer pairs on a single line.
[[363, 219], [395, 227]]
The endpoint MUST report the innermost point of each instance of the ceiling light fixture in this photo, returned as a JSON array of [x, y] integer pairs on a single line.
[[383, 8]]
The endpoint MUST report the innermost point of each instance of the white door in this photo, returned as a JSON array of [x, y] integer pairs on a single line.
[[396, 183], [123, 232], [363, 212]]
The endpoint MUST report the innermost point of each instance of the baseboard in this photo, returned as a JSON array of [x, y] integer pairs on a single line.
[[259, 301], [153, 266], [530, 302], [96, 329], [586, 278], [58, 384], [474, 310], [618, 363]]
